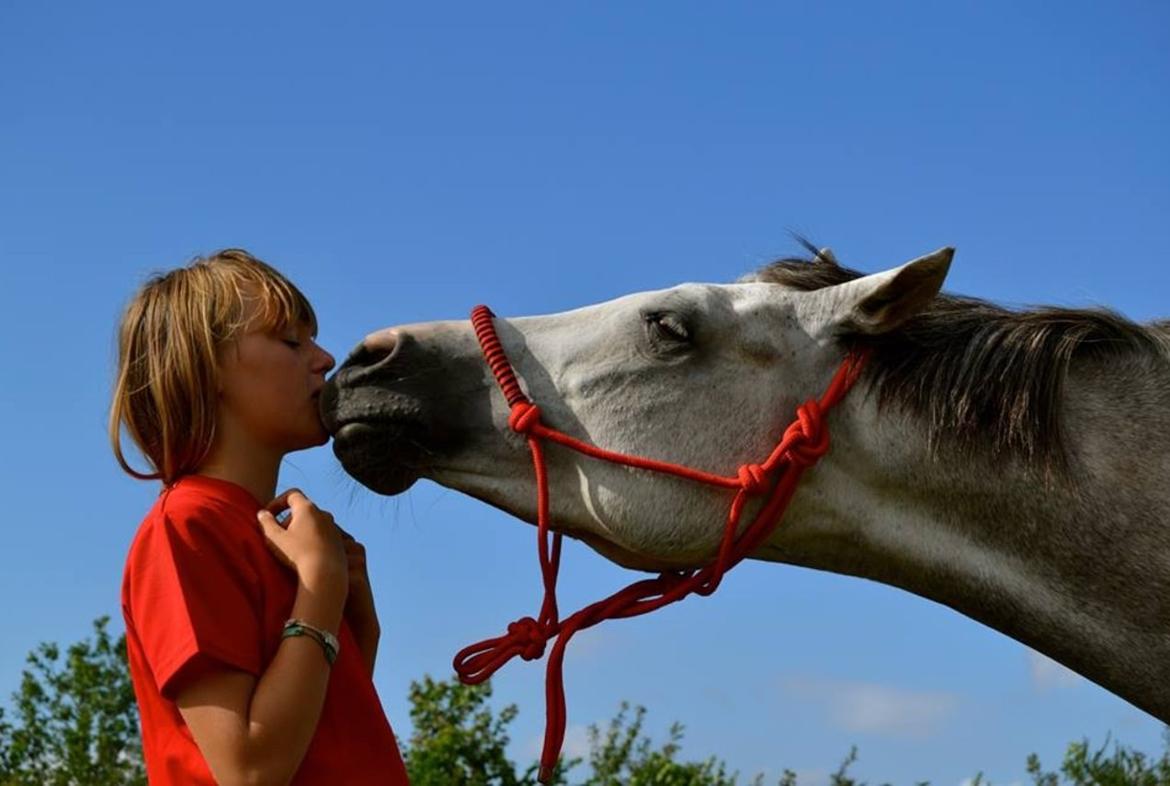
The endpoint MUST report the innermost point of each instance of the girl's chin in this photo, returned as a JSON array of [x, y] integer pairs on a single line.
[[311, 438]]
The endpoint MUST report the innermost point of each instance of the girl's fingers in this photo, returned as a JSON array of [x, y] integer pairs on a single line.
[[269, 524], [287, 499]]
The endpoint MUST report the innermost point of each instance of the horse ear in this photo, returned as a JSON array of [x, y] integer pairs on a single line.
[[883, 301], [826, 254]]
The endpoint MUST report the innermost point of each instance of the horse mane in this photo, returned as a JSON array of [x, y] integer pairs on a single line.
[[981, 375]]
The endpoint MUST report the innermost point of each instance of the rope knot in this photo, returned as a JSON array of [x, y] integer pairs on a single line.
[[523, 417], [810, 440], [527, 633], [753, 479]]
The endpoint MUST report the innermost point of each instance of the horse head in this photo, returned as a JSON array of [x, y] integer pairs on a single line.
[[703, 375]]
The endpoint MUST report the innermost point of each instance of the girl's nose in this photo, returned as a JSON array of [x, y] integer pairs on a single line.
[[325, 361]]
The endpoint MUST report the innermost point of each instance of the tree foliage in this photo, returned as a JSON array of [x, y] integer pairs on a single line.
[[623, 756], [75, 720], [457, 741], [75, 723], [1123, 767], [463, 744]]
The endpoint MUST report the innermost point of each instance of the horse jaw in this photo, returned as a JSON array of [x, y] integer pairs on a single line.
[[607, 548]]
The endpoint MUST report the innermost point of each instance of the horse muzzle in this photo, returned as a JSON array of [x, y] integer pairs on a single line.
[[396, 406]]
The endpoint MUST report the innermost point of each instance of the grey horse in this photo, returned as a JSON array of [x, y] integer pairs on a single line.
[[1013, 465]]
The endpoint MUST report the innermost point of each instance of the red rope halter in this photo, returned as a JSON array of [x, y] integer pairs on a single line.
[[803, 442]]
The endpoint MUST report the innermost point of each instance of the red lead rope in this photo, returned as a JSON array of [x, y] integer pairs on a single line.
[[804, 441]]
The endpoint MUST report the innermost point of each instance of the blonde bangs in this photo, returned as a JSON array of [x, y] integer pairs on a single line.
[[169, 341], [282, 305]]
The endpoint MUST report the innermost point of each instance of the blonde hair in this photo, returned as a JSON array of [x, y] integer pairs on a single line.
[[166, 388]]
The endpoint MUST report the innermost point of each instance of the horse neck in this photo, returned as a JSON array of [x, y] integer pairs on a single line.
[[1075, 564]]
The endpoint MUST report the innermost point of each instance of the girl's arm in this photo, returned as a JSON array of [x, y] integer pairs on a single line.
[[256, 730]]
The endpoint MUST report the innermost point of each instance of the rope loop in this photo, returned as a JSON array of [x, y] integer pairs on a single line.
[[524, 417], [810, 440], [753, 478], [527, 634]]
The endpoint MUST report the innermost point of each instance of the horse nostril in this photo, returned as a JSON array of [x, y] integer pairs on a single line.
[[375, 351]]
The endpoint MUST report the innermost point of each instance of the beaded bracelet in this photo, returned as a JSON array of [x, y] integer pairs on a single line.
[[327, 640]]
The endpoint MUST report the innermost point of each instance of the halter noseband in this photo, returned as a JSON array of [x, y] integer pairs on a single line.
[[802, 444]]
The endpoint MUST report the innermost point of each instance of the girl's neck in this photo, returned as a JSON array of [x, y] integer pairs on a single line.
[[245, 464]]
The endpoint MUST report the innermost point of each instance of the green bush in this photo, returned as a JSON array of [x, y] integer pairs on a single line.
[[76, 724]]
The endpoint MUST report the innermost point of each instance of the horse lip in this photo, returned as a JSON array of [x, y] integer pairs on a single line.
[[346, 430], [337, 409], [327, 406], [383, 440], [374, 442], [365, 455], [365, 430]]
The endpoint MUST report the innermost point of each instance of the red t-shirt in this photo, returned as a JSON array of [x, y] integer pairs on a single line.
[[201, 588]]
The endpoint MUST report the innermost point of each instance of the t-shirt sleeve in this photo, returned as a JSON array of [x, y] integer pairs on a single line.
[[195, 598]]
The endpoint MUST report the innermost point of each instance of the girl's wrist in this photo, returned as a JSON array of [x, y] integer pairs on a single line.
[[321, 597]]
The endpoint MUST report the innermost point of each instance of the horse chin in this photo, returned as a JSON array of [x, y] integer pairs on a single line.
[[372, 456], [632, 559]]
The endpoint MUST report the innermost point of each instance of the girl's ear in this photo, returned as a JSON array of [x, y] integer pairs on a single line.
[[881, 302]]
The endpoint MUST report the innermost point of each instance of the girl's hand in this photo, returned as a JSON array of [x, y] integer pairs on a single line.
[[308, 541]]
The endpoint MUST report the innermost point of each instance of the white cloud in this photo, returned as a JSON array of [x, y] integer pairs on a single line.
[[1047, 674], [879, 709]]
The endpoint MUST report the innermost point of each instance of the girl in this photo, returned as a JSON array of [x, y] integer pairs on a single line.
[[251, 641]]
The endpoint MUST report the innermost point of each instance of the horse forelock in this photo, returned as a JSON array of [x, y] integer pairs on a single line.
[[981, 376]]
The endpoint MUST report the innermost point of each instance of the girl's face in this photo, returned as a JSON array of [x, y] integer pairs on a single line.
[[269, 383]]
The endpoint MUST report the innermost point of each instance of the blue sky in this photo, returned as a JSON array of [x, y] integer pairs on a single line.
[[402, 162]]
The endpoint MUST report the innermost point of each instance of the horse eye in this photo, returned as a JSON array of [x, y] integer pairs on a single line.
[[668, 327]]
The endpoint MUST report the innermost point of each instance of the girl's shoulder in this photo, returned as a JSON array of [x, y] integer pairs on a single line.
[[202, 516]]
